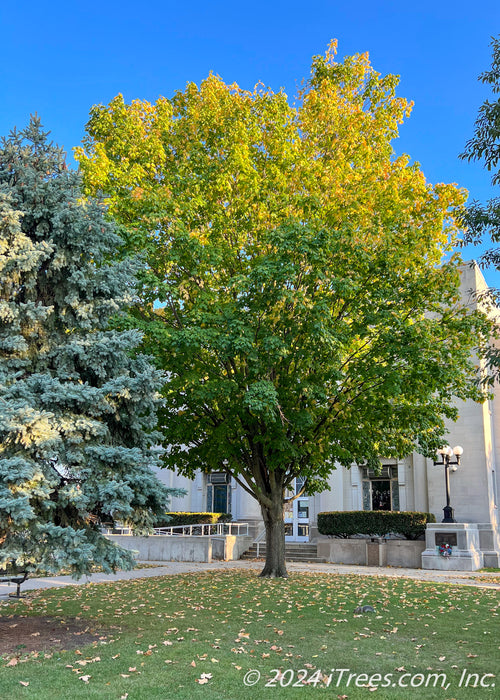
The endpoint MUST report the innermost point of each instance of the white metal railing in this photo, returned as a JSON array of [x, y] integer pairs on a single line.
[[117, 529], [261, 536], [204, 530], [201, 530]]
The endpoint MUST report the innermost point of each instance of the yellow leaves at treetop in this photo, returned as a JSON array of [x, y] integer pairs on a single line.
[[225, 165], [350, 114], [124, 150], [230, 159]]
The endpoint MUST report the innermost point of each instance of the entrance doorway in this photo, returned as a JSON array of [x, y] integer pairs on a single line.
[[297, 515], [381, 489], [218, 493]]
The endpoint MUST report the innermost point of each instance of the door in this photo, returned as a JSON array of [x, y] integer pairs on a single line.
[[381, 494], [220, 498], [297, 515]]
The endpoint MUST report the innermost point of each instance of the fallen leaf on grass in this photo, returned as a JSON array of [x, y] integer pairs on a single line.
[[204, 678]]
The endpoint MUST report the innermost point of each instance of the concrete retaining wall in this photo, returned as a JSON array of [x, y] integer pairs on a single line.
[[235, 545], [362, 552], [184, 548], [343, 551], [407, 553]]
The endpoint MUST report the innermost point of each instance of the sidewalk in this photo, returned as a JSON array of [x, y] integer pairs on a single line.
[[468, 578]]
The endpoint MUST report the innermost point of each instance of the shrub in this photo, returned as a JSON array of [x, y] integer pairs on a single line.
[[178, 518], [376, 523]]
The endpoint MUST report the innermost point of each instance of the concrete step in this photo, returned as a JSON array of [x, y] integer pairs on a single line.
[[294, 551], [298, 560]]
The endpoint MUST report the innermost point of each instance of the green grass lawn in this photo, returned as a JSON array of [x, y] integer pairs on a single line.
[[199, 635]]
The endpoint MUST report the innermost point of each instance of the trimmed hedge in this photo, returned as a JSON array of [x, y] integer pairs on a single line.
[[376, 523], [178, 518]]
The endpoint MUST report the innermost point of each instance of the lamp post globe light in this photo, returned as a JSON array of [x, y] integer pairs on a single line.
[[444, 459]]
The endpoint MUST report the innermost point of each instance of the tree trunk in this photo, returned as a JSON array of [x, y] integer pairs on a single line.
[[275, 566]]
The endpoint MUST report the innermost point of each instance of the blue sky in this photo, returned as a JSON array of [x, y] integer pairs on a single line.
[[60, 58]]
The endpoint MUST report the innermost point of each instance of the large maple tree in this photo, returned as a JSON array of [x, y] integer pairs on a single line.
[[293, 286]]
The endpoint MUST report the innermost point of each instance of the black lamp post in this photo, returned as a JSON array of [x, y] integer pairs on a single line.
[[446, 453]]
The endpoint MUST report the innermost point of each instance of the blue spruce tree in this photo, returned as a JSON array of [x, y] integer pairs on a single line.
[[77, 401]]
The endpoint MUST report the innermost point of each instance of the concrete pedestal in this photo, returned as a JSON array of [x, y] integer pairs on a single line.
[[466, 554]]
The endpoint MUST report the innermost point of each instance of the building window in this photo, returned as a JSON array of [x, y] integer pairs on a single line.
[[218, 492], [381, 490]]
